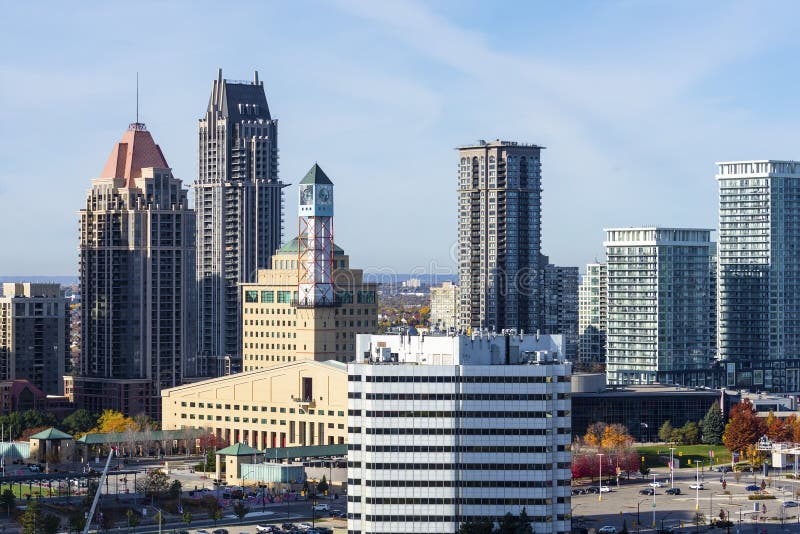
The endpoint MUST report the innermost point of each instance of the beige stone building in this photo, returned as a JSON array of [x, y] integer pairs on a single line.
[[291, 404], [444, 306], [277, 329]]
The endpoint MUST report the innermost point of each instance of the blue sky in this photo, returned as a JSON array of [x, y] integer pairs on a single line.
[[634, 100]]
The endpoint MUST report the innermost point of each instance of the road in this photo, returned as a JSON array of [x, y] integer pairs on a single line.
[[626, 505]]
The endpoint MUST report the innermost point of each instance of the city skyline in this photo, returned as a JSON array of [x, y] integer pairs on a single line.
[[620, 121]]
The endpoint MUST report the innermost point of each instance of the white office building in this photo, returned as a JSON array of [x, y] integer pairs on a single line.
[[445, 429]]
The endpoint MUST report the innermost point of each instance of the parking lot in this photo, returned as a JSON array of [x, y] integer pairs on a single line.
[[630, 504]]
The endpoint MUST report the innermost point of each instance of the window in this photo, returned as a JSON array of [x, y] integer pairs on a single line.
[[251, 296], [267, 296], [284, 297]]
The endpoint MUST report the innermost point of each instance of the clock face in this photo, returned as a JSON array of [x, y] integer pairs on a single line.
[[324, 195], [307, 195]]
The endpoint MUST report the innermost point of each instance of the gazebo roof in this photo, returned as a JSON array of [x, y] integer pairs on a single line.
[[51, 433], [238, 449]]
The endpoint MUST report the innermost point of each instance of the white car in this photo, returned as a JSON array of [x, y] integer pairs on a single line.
[[656, 484], [608, 529], [697, 485], [321, 507], [605, 489], [265, 528], [305, 526]]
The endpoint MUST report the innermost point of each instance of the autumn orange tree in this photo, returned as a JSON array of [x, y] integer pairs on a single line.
[[744, 427], [113, 421], [777, 428]]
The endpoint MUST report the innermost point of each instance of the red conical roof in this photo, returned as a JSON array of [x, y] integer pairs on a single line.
[[134, 152]]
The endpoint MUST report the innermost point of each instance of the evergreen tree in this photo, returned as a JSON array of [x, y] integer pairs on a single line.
[[508, 525], [322, 487], [476, 526], [713, 425], [524, 523]]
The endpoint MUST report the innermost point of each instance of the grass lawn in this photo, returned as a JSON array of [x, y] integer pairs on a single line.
[[658, 455]]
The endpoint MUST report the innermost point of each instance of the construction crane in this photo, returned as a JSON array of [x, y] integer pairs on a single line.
[[90, 517]]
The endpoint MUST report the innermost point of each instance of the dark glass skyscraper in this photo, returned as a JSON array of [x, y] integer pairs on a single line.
[[239, 205]]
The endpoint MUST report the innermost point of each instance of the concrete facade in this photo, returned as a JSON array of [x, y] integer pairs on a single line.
[[446, 429], [292, 404]]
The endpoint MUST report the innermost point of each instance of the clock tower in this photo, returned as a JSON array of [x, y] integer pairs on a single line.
[[315, 241]]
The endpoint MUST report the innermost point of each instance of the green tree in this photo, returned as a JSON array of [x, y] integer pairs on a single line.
[[187, 518], [322, 487], [476, 526], [508, 525], [8, 501], [175, 489], [690, 433], [240, 510], [713, 425], [77, 521], [133, 518], [154, 484], [36, 521], [665, 432], [79, 422]]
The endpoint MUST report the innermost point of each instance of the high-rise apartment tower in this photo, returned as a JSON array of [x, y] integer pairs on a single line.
[[137, 281], [34, 335], [592, 316], [660, 306], [499, 236], [239, 205], [759, 274]]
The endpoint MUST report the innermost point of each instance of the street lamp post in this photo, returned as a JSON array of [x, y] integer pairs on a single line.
[[697, 486], [600, 485], [654, 500], [160, 515], [672, 467]]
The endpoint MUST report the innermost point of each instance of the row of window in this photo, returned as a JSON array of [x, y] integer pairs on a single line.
[[437, 518], [245, 407], [460, 501], [473, 414], [411, 466], [463, 448], [459, 431], [465, 379], [253, 420], [467, 396], [511, 484]]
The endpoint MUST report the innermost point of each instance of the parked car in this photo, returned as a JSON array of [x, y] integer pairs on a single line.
[[34, 468], [325, 530], [790, 504], [287, 526], [697, 485], [673, 491], [607, 529], [338, 513], [593, 489], [265, 528], [305, 526], [752, 487], [201, 532], [322, 507], [220, 531], [655, 484], [605, 489], [647, 491]]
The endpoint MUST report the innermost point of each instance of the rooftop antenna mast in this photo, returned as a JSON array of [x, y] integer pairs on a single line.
[[137, 98]]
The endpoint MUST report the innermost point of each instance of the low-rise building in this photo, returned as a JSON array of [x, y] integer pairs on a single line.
[[447, 429], [292, 404]]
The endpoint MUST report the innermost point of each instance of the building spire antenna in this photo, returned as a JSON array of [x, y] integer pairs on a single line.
[[137, 97]]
